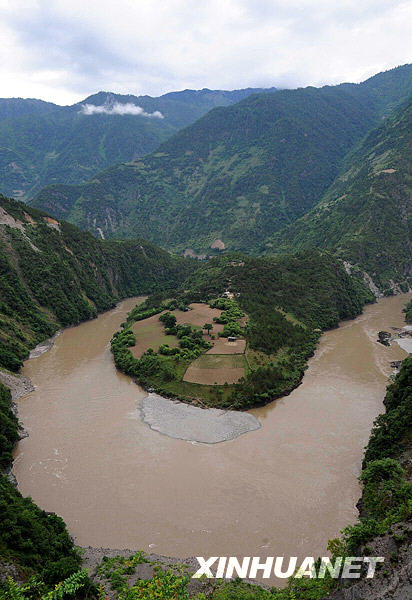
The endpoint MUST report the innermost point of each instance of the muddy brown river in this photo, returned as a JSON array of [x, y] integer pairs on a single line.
[[284, 489]]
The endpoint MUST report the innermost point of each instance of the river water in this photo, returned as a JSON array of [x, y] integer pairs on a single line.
[[284, 489]]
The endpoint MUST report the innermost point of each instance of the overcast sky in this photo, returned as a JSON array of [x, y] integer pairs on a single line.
[[64, 50]]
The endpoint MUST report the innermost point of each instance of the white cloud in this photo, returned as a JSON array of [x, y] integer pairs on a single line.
[[63, 51], [119, 109]]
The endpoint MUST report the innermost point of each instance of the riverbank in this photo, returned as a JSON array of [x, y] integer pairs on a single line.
[[93, 557], [96, 558], [45, 345], [18, 385]]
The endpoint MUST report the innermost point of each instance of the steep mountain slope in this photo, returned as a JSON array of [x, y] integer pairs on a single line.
[[52, 274], [42, 143], [366, 215], [239, 174]]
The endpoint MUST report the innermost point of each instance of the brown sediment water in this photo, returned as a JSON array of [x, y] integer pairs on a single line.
[[282, 490]]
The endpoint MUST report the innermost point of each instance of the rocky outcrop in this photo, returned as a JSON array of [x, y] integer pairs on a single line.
[[385, 338], [367, 279], [18, 385], [393, 578]]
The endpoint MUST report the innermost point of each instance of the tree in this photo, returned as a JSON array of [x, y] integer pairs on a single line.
[[208, 327], [168, 319]]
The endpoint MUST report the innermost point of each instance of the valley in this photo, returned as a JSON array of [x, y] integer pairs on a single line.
[[201, 303]]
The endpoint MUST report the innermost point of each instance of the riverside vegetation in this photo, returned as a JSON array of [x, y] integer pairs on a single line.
[[408, 312], [386, 507], [289, 300], [53, 275]]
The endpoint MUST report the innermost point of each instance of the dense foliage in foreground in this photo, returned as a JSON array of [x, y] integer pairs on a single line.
[[290, 300], [52, 275]]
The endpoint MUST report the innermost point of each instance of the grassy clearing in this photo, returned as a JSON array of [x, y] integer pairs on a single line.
[[256, 359], [289, 317], [199, 315], [220, 361]]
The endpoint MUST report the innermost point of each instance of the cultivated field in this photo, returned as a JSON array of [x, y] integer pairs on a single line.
[[224, 363], [216, 369]]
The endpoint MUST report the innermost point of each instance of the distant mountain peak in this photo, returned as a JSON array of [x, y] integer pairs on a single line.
[[43, 143]]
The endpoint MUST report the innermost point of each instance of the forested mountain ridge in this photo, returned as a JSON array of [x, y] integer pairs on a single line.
[[21, 107], [53, 275], [366, 215], [178, 108], [43, 143], [239, 174]]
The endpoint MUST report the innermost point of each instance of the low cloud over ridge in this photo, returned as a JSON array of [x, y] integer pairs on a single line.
[[120, 109]]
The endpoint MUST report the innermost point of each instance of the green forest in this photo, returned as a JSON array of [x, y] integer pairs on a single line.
[[42, 143], [365, 217], [239, 174], [52, 277]]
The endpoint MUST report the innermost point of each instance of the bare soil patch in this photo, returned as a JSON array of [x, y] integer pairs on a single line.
[[150, 334], [222, 346], [198, 316], [217, 244]]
